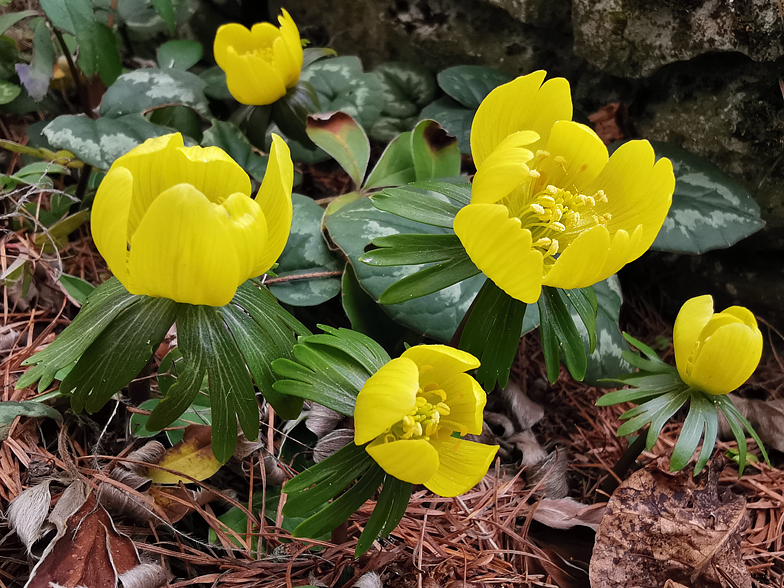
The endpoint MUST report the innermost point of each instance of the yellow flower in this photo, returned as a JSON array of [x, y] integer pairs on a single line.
[[179, 222], [409, 409], [548, 207], [715, 353], [260, 63]]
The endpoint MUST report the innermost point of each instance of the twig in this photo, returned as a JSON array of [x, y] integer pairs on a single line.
[[297, 277]]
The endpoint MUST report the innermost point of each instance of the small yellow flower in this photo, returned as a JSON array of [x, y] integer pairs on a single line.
[[409, 409], [179, 222], [716, 353], [548, 206], [261, 63]]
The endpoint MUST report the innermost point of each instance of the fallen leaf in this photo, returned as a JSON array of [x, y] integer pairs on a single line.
[[656, 528], [192, 456], [565, 513]]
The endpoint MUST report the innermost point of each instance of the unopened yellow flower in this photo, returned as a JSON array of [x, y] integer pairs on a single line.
[[179, 222], [409, 409], [548, 207], [260, 63], [716, 353]]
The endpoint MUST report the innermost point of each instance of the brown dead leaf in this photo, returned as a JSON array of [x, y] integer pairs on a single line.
[[606, 122], [655, 529], [766, 416], [175, 502], [192, 456], [565, 513]]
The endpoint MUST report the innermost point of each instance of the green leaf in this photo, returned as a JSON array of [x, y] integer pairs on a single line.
[[166, 9], [560, 334], [10, 410], [99, 142], [470, 84], [362, 349], [737, 423], [652, 363], [107, 56], [365, 315], [180, 119], [259, 303], [389, 509], [8, 92], [341, 85], [143, 89], [118, 354], [260, 349], [342, 507], [102, 306], [36, 77], [430, 279], [215, 87], [655, 412], [325, 480], [231, 393], [197, 414], [406, 88], [339, 135], [492, 334], [700, 411], [435, 152], [584, 301], [416, 204], [395, 167], [411, 249], [311, 55], [229, 138], [179, 53], [290, 113], [355, 225], [10, 19], [709, 209], [455, 118], [306, 253], [77, 288]]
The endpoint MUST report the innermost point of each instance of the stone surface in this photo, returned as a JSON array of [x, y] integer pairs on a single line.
[[634, 38]]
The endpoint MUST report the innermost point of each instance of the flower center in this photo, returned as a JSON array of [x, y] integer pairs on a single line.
[[555, 215], [424, 420]]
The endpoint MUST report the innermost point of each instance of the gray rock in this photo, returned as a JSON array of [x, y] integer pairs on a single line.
[[634, 38]]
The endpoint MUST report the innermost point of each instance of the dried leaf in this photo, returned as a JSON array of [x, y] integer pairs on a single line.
[[192, 456], [331, 443], [606, 122], [322, 420], [565, 513], [655, 529], [551, 472], [169, 501], [144, 576], [766, 416], [525, 411], [27, 513]]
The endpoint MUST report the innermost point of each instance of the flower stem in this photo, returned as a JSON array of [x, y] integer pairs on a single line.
[[624, 463]]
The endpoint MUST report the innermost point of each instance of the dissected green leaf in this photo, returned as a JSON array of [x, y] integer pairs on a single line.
[[389, 509], [492, 334], [417, 204], [179, 53], [102, 306], [195, 414], [118, 354], [435, 152], [229, 138], [77, 288], [709, 209], [341, 136], [143, 89], [559, 334], [290, 113], [430, 279], [413, 249], [470, 84], [100, 141], [306, 253]]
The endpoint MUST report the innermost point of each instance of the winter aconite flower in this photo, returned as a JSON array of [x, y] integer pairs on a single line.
[[548, 207], [260, 63], [409, 410], [715, 353], [179, 222]]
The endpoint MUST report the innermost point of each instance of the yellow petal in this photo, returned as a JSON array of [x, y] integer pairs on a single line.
[[109, 220], [466, 401], [274, 198], [524, 104], [743, 314], [247, 232], [726, 359], [211, 171], [462, 465], [179, 250], [410, 460], [387, 396], [254, 81], [291, 47], [501, 249], [504, 169], [581, 262], [583, 151], [691, 319], [436, 363], [638, 192]]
